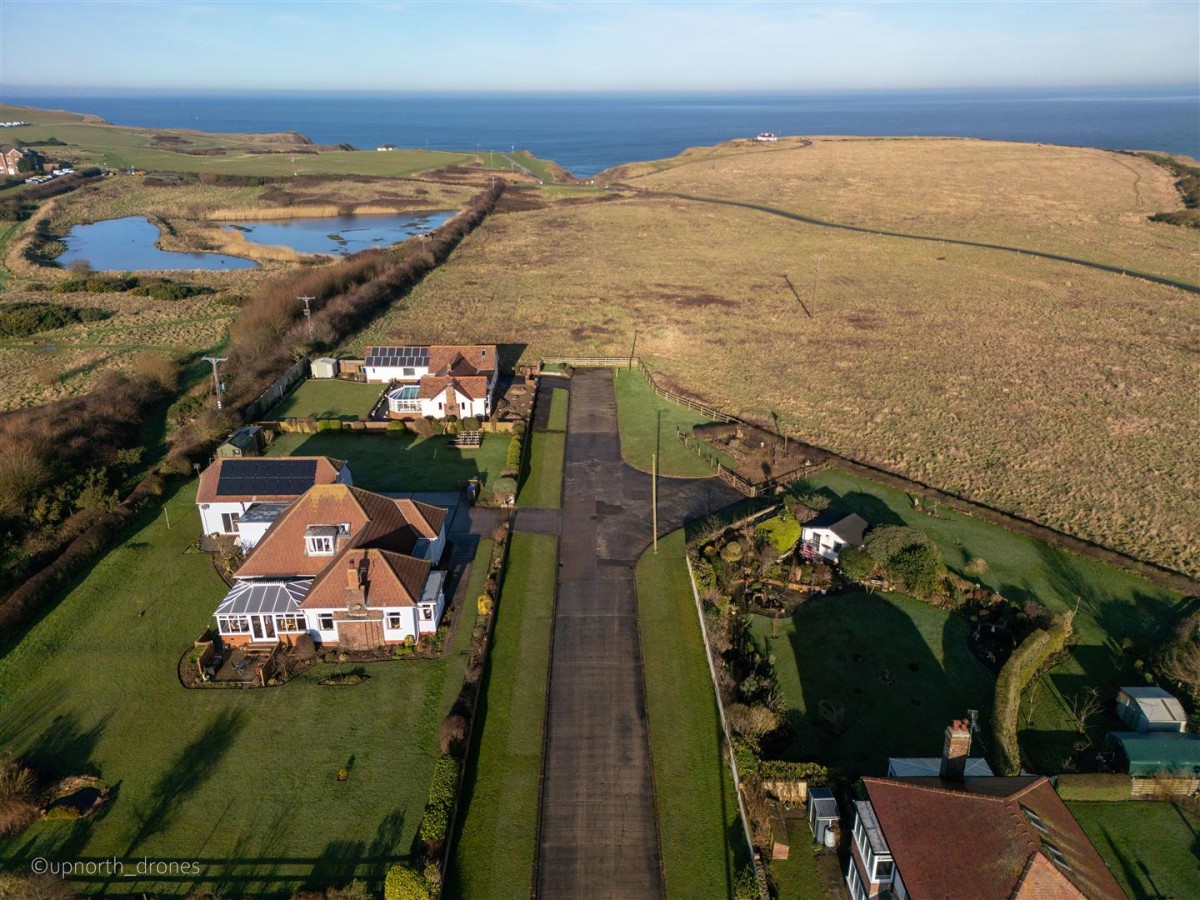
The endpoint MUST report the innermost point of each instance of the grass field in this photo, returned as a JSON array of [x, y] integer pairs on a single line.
[[90, 141], [1075, 201], [327, 399], [1113, 606], [542, 487], [245, 782], [797, 875], [900, 667], [406, 463], [1150, 847], [703, 845], [56, 364], [648, 424], [1076, 409], [497, 832]]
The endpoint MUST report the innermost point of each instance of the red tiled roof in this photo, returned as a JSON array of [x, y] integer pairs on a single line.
[[388, 580], [373, 521], [327, 473], [971, 840], [462, 359], [473, 387]]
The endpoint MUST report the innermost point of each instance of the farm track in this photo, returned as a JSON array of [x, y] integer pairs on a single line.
[[933, 239]]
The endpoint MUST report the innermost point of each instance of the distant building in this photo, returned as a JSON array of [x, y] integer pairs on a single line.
[[246, 441], [766, 137], [436, 381], [20, 160], [384, 147]]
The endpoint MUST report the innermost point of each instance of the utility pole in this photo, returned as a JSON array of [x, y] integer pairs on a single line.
[[816, 275], [216, 361], [654, 498], [633, 348]]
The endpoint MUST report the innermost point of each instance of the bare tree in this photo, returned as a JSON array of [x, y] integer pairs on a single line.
[[1085, 707]]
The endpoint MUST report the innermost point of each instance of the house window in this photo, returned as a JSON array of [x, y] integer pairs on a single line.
[[1057, 855], [229, 522], [291, 622], [409, 373], [325, 621], [427, 613], [1035, 820], [319, 545], [441, 406], [883, 870], [233, 624], [395, 620]]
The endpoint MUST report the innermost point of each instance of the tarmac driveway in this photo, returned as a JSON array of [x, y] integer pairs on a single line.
[[598, 836]]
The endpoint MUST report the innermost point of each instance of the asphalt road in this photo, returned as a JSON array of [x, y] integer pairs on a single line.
[[598, 836]]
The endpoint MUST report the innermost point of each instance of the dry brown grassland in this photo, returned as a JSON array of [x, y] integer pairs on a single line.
[[1074, 201], [1058, 392], [57, 364]]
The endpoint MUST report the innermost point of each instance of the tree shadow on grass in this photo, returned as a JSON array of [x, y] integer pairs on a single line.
[[194, 765], [383, 845], [65, 748], [336, 866]]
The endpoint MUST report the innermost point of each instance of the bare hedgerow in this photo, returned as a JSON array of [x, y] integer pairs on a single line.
[[18, 796]]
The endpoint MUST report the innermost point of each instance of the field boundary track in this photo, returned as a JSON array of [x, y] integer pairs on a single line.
[[1158, 574], [933, 239]]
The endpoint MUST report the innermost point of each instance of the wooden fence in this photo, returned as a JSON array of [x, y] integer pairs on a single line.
[[277, 391]]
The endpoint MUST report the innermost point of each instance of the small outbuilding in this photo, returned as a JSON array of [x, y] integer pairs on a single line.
[[828, 533], [1150, 709], [325, 367], [822, 813], [1147, 753], [246, 441]]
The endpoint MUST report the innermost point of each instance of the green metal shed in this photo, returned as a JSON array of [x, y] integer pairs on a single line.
[[1150, 752]]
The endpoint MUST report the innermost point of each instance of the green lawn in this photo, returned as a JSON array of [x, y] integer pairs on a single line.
[[901, 668], [542, 487], [1152, 848], [242, 781], [1113, 605], [496, 839], [797, 875], [327, 398], [406, 463], [648, 424], [560, 399], [702, 842]]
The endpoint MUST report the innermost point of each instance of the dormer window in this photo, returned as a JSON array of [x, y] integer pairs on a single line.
[[320, 540]]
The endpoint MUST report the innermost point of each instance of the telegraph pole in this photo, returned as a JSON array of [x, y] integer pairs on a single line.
[[216, 361], [654, 497]]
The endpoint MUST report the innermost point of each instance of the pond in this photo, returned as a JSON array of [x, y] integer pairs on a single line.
[[127, 245], [340, 234]]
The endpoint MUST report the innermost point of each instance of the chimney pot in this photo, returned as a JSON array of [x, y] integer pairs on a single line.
[[956, 750]]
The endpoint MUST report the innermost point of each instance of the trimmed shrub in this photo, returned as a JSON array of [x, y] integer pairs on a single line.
[[885, 541], [918, 566], [856, 564], [1094, 786], [329, 425], [1025, 663], [396, 429], [783, 531], [405, 883], [435, 824], [453, 734], [470, 423], [504, 489], [483, 604], [732, 552], [512, 461]]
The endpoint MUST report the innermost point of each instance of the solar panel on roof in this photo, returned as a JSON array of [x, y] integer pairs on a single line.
[[266, 477], [398, 356]]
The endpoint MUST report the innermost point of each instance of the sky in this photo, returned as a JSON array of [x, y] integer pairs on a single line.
[[551, 46]]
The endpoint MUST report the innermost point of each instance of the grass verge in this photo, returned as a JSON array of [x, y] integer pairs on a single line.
[[243, 782], [542, 488], [560, 398], [697, 807], [648, 424], [405, 463], [1148, 846], [495, 847], [327, 399]]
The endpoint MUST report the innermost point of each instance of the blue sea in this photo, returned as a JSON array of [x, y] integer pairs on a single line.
[[589, 132]]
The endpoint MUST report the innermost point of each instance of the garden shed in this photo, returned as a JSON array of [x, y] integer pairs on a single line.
[[325, 367], [1148, 753], [822, 812], [1150, 709], [246, 441]]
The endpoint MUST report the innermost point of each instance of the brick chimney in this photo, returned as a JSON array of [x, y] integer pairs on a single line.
[[956, 750], [353, 575]]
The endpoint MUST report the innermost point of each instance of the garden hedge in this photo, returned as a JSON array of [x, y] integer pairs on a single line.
[[1025, 663], [444, 788]]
